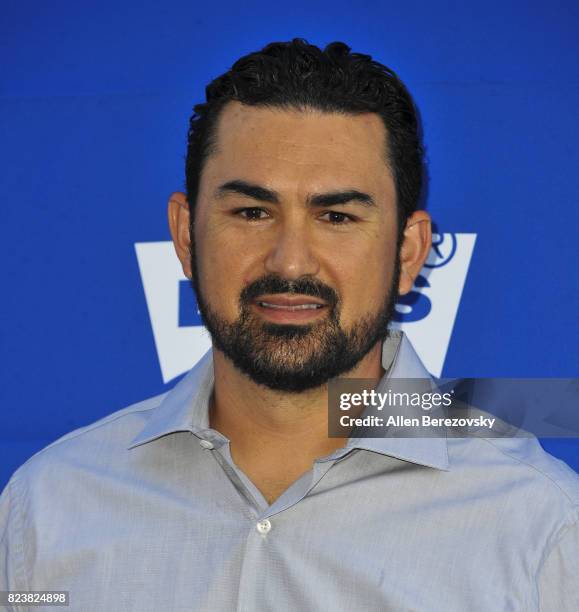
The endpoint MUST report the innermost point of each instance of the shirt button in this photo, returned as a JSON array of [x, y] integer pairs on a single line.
[[264, 527], [206, 444]]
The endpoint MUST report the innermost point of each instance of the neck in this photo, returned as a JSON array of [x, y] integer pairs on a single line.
[[257, 419]]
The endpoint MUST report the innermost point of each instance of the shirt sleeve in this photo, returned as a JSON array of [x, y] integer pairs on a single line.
[[559, 575], [10, 547], [5, 508]]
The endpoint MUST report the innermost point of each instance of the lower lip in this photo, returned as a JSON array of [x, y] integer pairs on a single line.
[[281, 315]]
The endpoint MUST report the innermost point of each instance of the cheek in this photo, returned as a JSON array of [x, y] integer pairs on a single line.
[[224, 269], [364, 281]]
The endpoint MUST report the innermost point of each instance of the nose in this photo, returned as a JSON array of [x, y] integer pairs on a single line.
[[291, 255]]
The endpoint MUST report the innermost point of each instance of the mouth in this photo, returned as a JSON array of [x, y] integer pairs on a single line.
[[284, 308], [305, 306]]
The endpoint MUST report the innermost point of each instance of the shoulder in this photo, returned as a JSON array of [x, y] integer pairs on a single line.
[[57, 485], [100, 439], [530, 458], [532, 477]]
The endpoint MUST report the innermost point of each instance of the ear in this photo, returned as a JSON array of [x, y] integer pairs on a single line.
[[414, 249], [179, 226]]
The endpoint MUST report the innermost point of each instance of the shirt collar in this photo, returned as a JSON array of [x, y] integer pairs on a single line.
[[185, 408], [400, 360]]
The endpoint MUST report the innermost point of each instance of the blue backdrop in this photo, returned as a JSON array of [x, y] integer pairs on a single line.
[[95, 102]]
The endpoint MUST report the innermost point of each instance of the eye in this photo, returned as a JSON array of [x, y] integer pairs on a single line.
[[251, 214], [337, 218]]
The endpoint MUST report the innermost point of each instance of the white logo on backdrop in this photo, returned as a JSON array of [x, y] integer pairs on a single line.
[[426, 315]]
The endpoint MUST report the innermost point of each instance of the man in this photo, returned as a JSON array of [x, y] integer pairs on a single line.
[[299, 229]]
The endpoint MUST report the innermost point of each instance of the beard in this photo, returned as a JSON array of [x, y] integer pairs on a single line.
[[294, 358]]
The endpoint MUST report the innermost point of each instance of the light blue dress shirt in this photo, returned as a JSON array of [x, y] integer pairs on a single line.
[[145, 510]]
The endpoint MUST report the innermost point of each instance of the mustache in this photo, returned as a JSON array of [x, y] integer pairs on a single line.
[[306, 285]]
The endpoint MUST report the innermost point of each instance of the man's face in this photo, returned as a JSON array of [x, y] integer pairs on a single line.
[[295, 263]]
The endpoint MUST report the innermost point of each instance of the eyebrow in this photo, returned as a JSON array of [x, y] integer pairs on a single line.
[[262, 194]]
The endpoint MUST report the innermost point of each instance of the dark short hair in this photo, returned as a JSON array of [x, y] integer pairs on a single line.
[[298, 75]]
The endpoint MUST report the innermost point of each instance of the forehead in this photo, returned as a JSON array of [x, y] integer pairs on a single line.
[[293, 147]]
